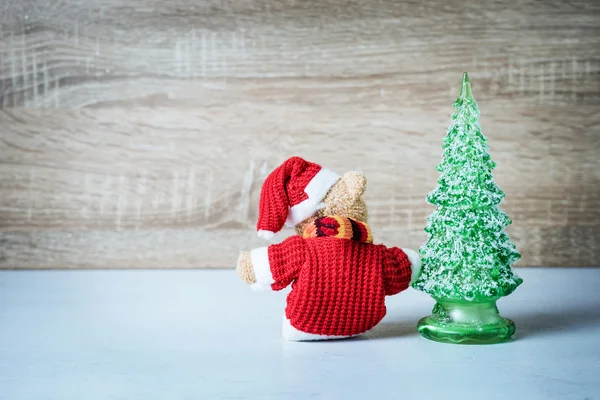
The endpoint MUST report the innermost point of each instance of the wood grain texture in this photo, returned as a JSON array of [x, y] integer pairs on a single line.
[[138, 134]]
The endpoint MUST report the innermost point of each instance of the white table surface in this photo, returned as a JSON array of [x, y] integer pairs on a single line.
[[87, 335]]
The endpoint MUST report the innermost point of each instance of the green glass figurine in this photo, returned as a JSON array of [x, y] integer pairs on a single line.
[[467, 258]]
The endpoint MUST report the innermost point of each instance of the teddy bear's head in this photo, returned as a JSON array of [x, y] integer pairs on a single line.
[[343, 199]]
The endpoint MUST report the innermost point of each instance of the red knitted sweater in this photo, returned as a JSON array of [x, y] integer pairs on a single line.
[[338, 285]]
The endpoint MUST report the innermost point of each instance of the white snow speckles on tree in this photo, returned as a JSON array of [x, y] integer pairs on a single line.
[[467, 256]]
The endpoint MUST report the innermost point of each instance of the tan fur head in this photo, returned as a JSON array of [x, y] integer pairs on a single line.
[[344, 199]]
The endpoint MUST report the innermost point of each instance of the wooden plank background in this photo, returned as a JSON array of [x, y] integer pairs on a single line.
[[136, 134]]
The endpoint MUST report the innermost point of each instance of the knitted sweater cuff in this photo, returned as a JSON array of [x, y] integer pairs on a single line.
[[262, 269], [415, 264]]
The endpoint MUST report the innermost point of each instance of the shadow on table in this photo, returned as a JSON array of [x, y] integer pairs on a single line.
[[528, 325], [392, 329], [556, 322]]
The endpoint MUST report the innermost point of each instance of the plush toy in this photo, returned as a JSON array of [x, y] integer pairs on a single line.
[[339, 277]]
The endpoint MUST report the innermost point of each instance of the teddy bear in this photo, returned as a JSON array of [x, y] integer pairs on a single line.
[[339, 278]]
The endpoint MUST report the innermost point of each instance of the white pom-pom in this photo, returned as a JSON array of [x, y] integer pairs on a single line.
[[415, 264], [267, 235]]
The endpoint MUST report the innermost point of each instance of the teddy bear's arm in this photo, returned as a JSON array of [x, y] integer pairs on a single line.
[[400, 268], [273, 267], [415, 264], [244, 268]]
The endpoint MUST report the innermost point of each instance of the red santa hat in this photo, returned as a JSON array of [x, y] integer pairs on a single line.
[[293, 192]]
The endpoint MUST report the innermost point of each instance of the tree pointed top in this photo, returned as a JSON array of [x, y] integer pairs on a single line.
[[465, 88]]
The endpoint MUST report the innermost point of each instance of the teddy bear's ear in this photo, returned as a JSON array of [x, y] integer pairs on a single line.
[[355, 182]]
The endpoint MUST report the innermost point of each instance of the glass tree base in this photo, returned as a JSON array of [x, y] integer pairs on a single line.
[[463, 322]]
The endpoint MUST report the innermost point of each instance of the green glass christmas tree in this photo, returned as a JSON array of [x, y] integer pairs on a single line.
[[467, 258]]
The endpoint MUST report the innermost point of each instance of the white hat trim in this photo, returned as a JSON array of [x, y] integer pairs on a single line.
[[316, 190], [264, 234]]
